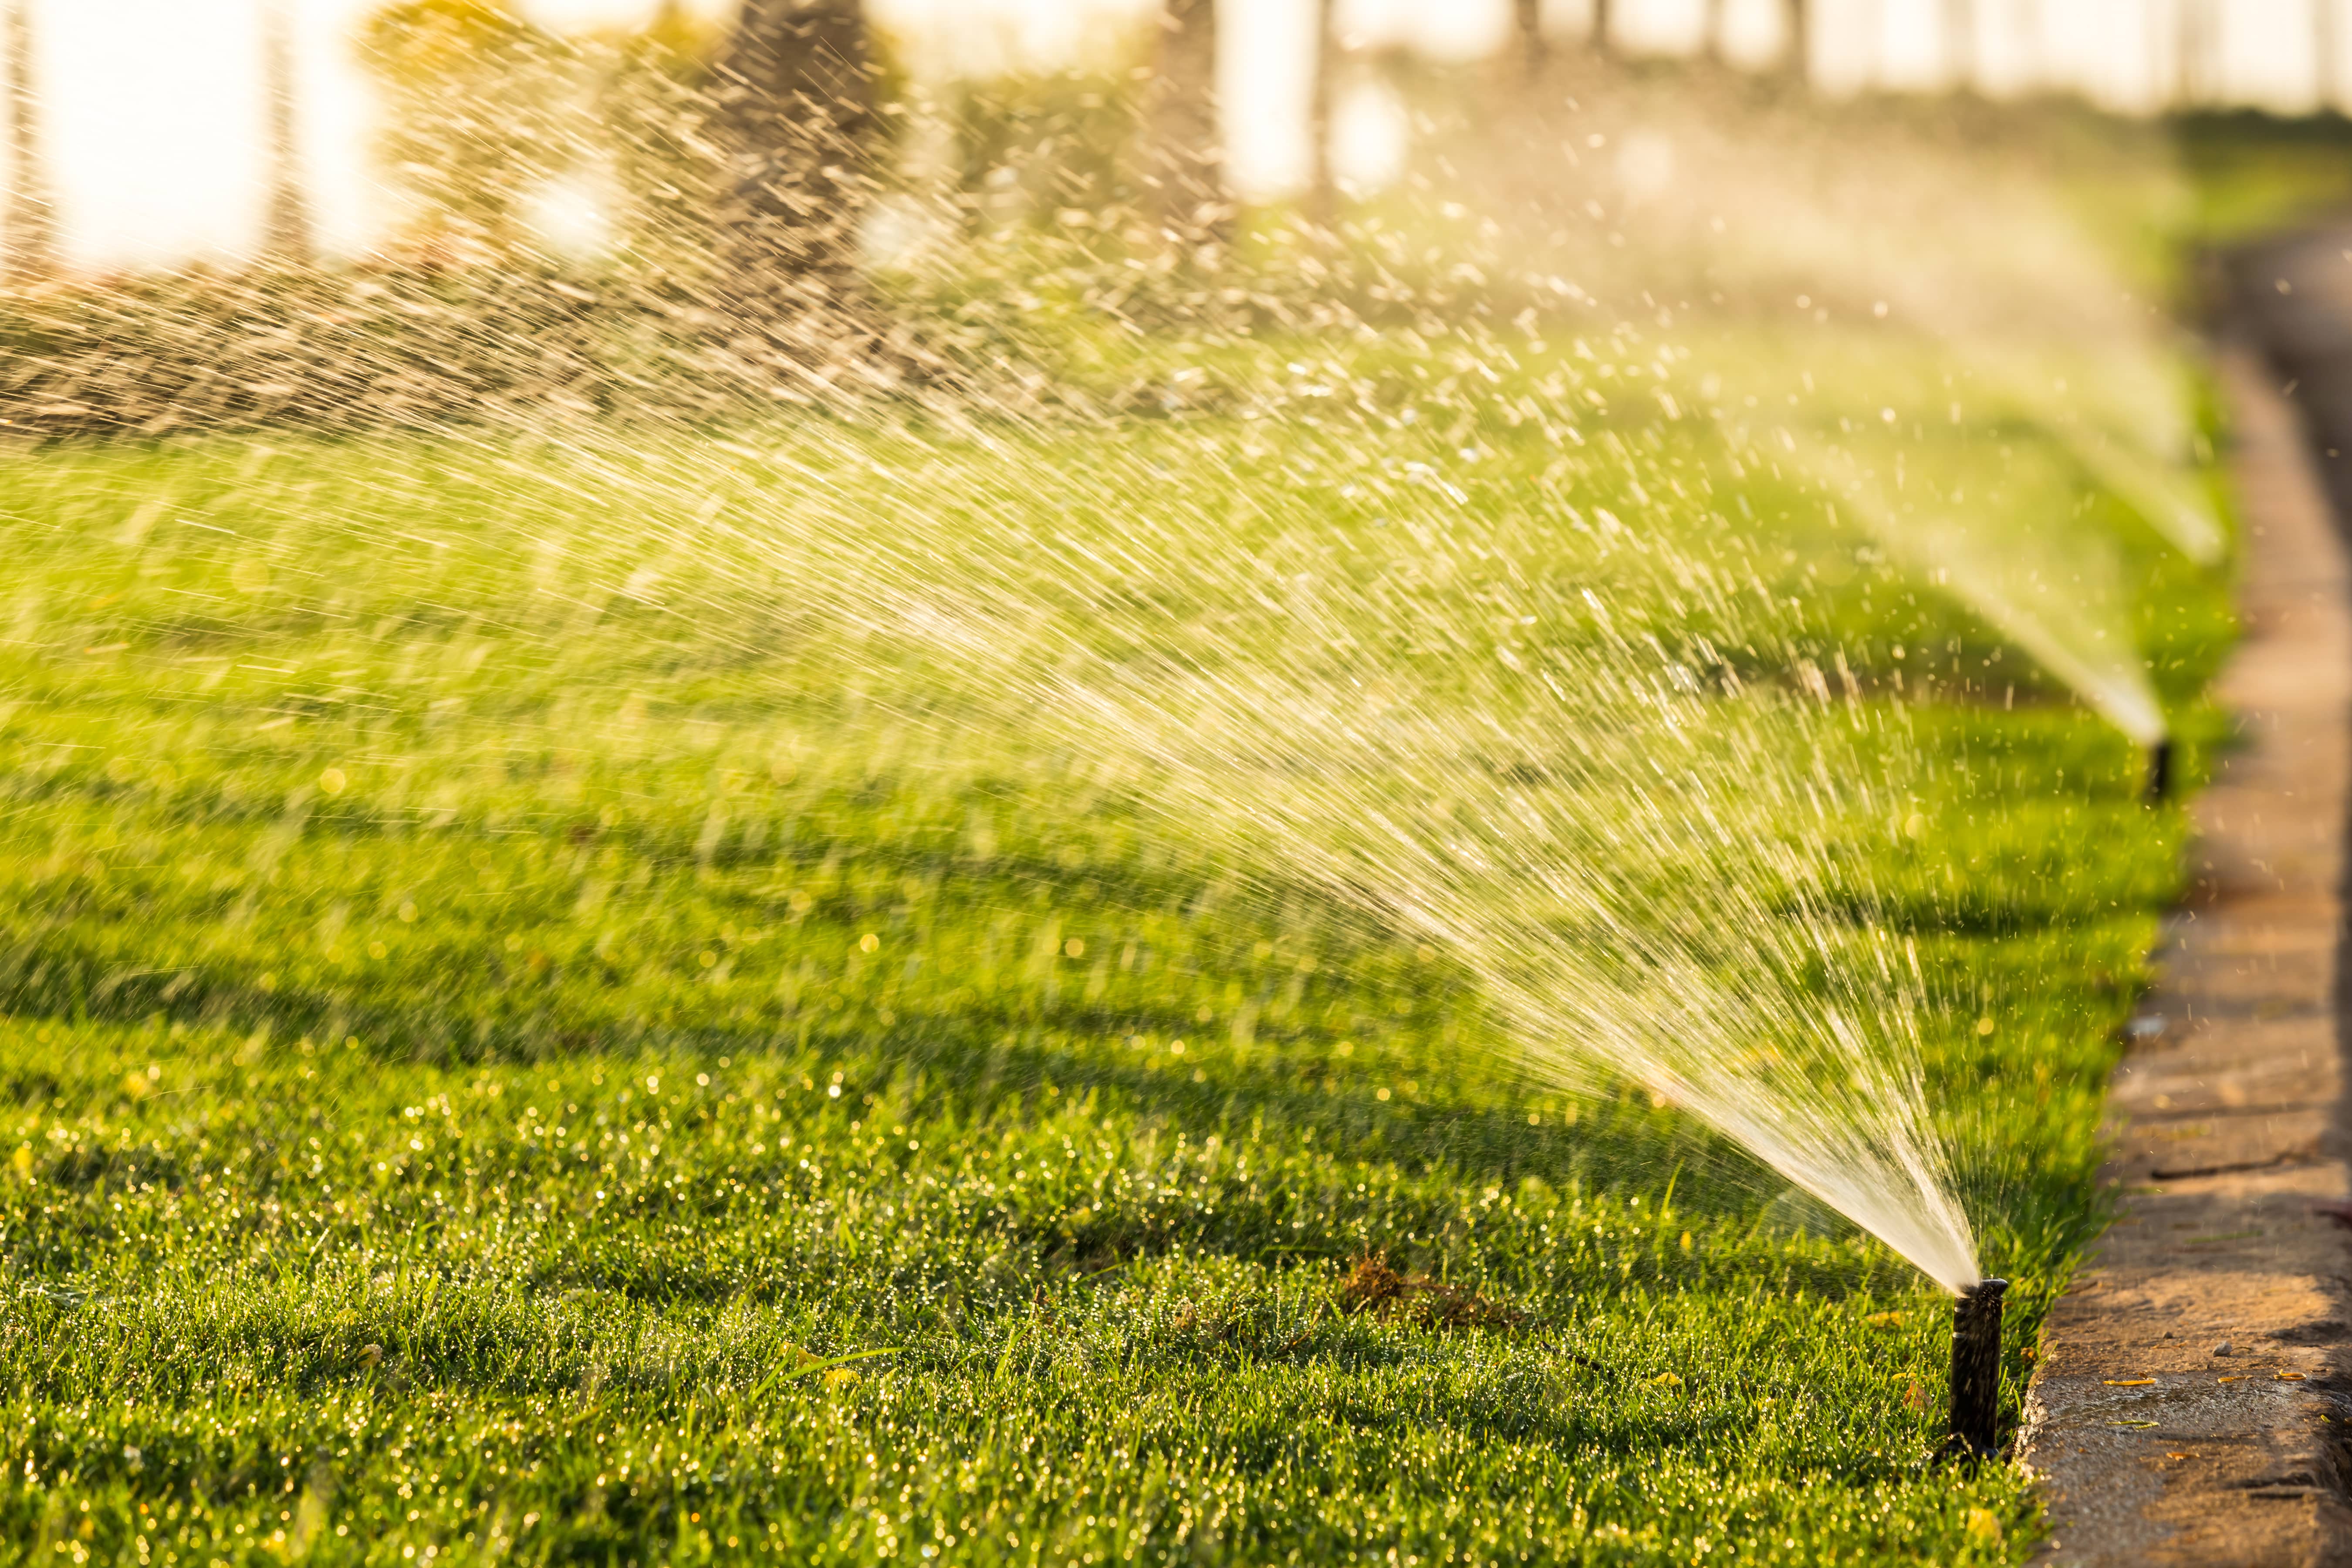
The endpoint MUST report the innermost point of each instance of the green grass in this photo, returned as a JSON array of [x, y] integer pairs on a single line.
[[504, 1007], [2252, 173]]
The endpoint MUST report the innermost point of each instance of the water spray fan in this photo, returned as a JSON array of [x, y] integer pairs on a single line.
[[2024, 583]]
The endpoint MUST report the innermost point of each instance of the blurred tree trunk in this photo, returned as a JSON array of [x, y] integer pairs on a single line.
[[1528, 18], [286, 229], [31, 234], [2327, 62], [795, 84], [1960, 43], [1323, 186], [1601, 25], [2201, 44], [1188, 159], [1801, 39]]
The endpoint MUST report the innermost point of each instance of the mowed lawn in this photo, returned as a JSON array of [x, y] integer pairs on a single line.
[[515, 1049]]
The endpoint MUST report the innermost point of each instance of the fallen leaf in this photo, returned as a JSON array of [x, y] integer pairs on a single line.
[[2286, 1377], [2126, 1382]]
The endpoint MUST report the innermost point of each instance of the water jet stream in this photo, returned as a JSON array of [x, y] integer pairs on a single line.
[[1630, 849], [2055, 598]]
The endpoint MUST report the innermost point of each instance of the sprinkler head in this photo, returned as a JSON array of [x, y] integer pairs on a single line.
[[1976, 1369], [2159, 771]]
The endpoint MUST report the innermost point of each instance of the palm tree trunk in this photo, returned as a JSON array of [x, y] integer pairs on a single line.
[[1188, 161], [1322, 184], [796, 92], [1801, 39], [1534, 47], [30, 233], [285, 230], [2200, 45], [2326, 44], [1960, 43]]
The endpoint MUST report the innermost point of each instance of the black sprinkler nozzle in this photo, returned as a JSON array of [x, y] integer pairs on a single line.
[[1976, 1369], [2159, 771]]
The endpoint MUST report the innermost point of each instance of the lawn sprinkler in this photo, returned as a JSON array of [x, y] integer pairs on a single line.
[[1975, 1368], [2159, 771]]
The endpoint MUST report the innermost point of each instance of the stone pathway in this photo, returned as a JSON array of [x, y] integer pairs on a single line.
[[2193, 1397]]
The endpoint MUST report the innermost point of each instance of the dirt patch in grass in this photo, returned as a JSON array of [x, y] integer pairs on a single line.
[[1371, 1285]]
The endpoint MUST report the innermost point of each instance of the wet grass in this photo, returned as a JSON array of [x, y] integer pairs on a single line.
[[524, 1049]]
